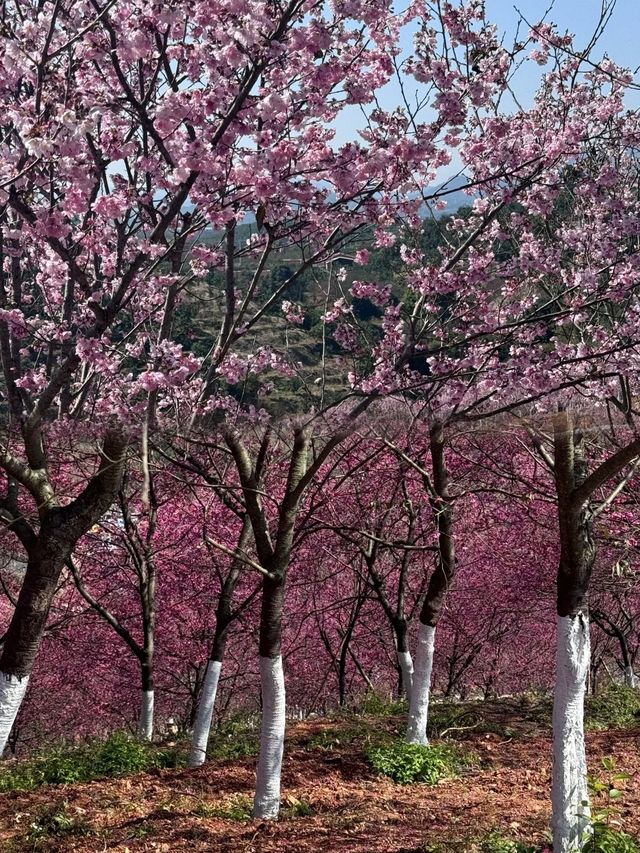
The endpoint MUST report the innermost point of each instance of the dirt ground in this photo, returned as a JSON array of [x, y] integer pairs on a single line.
[[351, 810]]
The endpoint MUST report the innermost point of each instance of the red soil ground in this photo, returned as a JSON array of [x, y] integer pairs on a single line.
[[351, 809]]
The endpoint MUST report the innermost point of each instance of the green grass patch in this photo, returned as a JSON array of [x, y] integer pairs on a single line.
[[606, 839], [378, 706], [492, 842], [407, 762], [117, 755], [617, 706], [293, 808], [233, 738]]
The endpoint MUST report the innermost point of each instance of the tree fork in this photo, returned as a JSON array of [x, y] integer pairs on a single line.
[[60, 530]]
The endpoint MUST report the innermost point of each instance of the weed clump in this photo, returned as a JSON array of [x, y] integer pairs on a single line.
[[119, 754], [617, 706], [408, 762]]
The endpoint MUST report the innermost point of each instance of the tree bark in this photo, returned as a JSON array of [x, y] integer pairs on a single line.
[[27, 625], [570, 802], [224, 618], [12, 690], [44, 566], [342, 674], [204, 716], [60, 530], [630, 678], [145, 725], [266, 803], [423, 666], [405, 661], [439, 584]]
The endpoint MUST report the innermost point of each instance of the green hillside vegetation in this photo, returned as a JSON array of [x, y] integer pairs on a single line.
[[308, 345]]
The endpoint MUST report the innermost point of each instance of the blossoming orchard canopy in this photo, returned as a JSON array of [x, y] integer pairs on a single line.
[[319, 354]]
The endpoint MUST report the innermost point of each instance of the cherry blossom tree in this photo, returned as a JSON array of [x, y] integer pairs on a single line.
[[130, 133], [127, 133], [532, 316]]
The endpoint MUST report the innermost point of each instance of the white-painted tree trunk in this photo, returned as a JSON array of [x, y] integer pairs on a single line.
[[204, 716], [406, 667], [630, 678], [12, 690], [421, 686], [267, 799], [569, 796], [145, 726]]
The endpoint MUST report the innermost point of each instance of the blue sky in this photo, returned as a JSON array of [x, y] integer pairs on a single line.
[[620, 41], [578, 16]]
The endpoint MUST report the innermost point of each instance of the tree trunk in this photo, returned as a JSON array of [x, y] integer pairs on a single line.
[[207, 701], [267, 799], [202, 726], [274, 560], [224, 618], [27, 626], [630, 678], [439, 584], [12, 690], [594, 677], [569, 795], [345, 652], [342, 675], [606, 624], [145, 725], [419, 707], [405, 662], [48, 553], [570, 805], [406, 668]]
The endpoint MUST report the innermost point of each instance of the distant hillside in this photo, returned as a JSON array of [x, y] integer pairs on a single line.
[[312, 345], [451, 191], [454, 196]]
